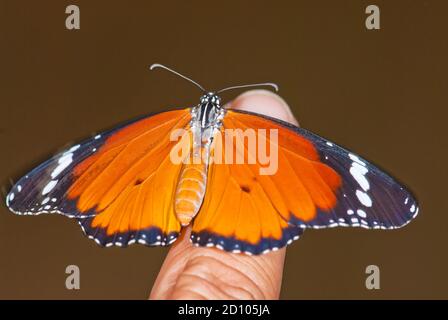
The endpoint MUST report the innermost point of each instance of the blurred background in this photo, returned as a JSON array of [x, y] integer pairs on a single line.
[[381, 93]]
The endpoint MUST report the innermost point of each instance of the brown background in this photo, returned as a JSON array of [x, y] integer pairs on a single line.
[[380, 93]]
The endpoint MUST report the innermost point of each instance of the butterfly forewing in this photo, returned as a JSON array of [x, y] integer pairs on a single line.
[[43, 190], [111, 182], [365, 197]]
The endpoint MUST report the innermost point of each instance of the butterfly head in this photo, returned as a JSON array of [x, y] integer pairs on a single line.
[[209, 112], [211, 98]]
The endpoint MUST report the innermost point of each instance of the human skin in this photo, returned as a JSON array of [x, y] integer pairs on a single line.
[[190, 272]]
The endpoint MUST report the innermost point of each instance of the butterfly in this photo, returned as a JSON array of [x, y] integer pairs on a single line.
[[123, 186]]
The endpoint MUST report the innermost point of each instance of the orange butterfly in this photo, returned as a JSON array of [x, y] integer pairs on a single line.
[[136, 184]]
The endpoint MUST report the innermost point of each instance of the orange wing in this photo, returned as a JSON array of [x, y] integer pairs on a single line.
[[245, 211], [130, 183]]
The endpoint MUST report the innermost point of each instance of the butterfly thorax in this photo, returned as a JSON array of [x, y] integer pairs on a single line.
[[191, 186]]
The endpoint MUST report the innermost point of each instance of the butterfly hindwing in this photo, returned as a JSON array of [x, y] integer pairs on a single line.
[[237, 214]]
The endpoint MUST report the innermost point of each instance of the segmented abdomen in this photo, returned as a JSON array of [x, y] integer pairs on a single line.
[[190, 191]]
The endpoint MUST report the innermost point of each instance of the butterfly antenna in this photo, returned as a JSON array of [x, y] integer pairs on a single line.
[[157, 65], [265, 84]]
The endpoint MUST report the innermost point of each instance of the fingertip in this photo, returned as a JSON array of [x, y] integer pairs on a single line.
[[264, 102]]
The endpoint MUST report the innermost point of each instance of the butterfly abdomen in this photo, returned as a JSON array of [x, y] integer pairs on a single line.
[[190, 191]]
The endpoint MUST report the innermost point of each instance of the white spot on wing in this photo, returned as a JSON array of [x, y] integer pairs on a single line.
[[364, 198], [11, 196], [412, 208], [19, 188], [358, 173], [72, 149], [415, 214], [63, 162], [50, 185], [361, 213], [356, 159]]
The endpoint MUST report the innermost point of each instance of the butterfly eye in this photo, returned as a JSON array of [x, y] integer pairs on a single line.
[[215, 99]]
